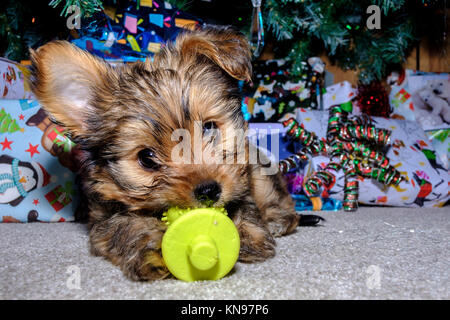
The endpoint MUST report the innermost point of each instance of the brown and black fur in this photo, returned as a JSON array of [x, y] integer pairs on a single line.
[[113, 113]]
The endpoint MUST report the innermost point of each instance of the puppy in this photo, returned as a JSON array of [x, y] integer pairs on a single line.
[[123, 120]]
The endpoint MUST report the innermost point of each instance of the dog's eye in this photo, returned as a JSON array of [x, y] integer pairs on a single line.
[[146, 157], [208, 126]]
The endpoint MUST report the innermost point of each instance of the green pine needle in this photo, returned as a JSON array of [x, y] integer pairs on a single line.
[[350, 44]]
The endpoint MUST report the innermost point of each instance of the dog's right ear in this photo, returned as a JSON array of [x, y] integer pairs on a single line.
[[224, 46], [64, 79]]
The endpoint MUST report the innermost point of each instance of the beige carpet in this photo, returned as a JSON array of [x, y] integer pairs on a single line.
[[375, 253]]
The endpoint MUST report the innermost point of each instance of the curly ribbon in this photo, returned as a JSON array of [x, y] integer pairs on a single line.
[[321, 180], [293, 161], [353, 144]]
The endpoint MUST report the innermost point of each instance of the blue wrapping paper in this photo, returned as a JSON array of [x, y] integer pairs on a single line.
[[37, 164]]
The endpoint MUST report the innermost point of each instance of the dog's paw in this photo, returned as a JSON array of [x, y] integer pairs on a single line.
[[279, 222], [257, 244], [133, 244], [148, 266]]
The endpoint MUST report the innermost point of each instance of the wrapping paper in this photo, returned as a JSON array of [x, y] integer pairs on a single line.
[[338, 93], [303, 203], [12, 81], [422, 97], [410, 152], [37, 164], [440, 139], [128, 31], [274, 92]]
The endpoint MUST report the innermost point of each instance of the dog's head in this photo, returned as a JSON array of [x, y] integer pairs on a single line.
[[139, 124]]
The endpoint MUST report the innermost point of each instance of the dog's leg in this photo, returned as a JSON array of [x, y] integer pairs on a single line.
[[257, 244], [131, 242], [274, 202]]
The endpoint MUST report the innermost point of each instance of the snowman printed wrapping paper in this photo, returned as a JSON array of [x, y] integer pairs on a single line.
[[37, 166]]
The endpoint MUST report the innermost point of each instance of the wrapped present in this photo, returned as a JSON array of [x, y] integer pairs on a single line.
[[13, 84], [274, 93], [37, 164], [421, 96], [409, 152], [132, 30], [339, 93]]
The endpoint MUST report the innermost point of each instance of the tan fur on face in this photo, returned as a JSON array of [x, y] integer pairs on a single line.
[[114, 113]]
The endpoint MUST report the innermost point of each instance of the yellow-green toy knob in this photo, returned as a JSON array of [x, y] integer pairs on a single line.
[[200, 244], [203, 253]]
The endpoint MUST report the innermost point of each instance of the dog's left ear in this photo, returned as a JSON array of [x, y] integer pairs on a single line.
[[65, 78], [225, 46]]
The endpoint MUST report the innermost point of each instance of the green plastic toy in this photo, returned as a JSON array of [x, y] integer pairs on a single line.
[[199, 244]]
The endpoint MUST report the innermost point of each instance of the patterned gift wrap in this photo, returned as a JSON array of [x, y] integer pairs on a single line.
[[13, 83], [413, 97], [60, 197], [440, 139], [37, 164]]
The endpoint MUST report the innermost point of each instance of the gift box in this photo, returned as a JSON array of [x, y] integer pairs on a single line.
[[272, 140], [410, 152], [37, 165]]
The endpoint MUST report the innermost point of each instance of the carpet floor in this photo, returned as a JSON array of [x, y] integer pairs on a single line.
[[374, 253]]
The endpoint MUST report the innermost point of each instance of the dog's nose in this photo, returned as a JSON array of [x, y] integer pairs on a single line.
[[208, 191]]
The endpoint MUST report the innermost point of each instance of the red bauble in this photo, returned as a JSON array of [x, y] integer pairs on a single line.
[[373, 100]]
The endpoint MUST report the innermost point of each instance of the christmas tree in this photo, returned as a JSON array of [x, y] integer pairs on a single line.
[[298, 29], [25, 24], [29, 24], [347, 32]]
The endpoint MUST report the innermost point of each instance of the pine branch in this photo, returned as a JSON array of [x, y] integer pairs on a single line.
[[389, 5], [87, 7], [341, 29]]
